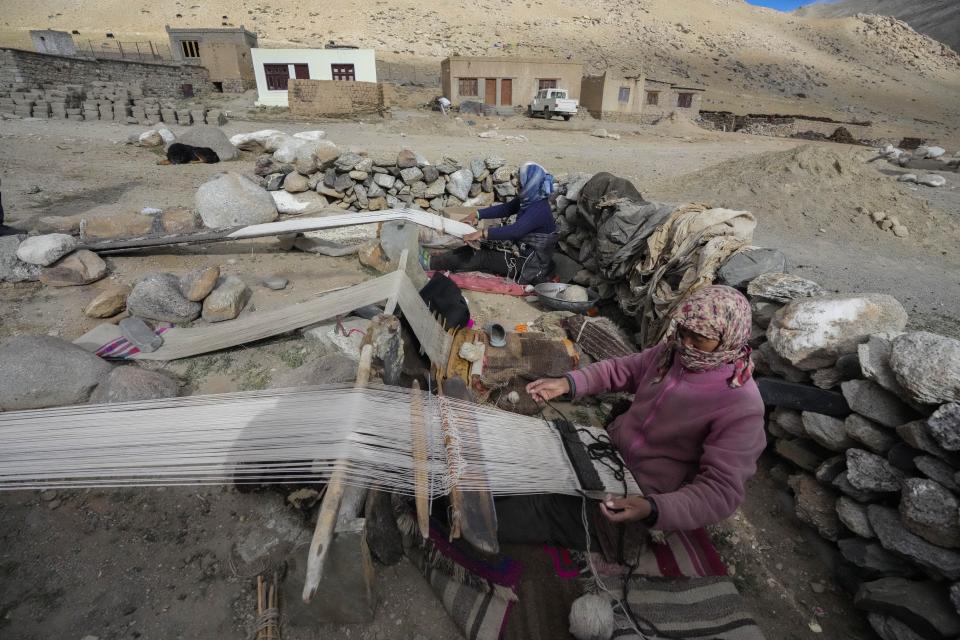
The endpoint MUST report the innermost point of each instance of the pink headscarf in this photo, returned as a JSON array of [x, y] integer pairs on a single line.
[[718, 313]]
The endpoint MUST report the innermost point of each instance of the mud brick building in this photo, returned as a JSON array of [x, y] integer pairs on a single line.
[[224, 52]]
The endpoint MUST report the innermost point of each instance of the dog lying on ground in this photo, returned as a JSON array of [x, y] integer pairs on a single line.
[[185, 154]]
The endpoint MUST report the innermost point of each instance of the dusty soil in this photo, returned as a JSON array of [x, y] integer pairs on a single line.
[[162, 563]]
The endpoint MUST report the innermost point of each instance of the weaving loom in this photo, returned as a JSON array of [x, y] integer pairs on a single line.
[[294, 435]]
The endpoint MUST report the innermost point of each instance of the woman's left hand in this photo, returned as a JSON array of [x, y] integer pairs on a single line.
[[476, 236], [627, 509]]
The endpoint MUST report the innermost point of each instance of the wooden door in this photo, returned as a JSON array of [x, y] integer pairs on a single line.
[[490, 92], [506, 92]]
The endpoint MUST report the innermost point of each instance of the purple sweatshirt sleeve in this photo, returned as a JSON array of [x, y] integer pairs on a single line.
[[729, 459], [615, 374]]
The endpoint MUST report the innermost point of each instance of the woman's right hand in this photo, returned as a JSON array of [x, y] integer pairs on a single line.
[[471, 218], [546, 389]]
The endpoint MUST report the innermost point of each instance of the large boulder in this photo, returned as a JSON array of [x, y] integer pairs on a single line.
[[131, 383], [12, 268], [812, 333], [254, 141], [79, 268], [212, 138], [230, 200], [872, 401], [927, 365], [931, 512], [310, 156], [42, 371], [157, 297], [46, 249]]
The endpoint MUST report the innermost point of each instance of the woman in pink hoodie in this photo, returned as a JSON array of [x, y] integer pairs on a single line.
[[691, 437]]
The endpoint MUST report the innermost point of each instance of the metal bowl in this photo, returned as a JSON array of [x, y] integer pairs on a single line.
[[549, 295]]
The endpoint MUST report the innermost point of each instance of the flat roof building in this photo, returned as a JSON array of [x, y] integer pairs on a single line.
[[274, 68], [225, 52], [506, 81]]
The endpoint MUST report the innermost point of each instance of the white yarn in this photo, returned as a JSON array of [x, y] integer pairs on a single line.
[[591, 618]]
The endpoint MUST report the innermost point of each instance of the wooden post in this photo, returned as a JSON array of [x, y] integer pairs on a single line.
[[330, 507], [420, 447]]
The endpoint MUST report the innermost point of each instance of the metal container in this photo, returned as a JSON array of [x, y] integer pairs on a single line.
[[548, 294]]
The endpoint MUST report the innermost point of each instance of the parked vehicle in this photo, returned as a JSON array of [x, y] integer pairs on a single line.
[[553, 102]]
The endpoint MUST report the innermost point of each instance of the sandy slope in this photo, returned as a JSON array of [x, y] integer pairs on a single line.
[[939, 19], [752, 59]]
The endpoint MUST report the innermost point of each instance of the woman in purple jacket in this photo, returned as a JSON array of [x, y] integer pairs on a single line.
[[523, 250], [691, 437]]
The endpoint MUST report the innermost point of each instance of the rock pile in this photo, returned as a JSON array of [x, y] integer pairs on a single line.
[[923, 159], [115, 101], [49, 258], [165, 297], [867, 416], [306, 173]]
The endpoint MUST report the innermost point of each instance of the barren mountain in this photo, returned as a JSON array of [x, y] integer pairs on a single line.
[[752, 60], [939, 19]]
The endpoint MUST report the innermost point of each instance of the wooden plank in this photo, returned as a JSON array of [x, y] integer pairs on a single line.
[[420, 447], [473, 511], [433, 339], [391, 305], [295, 225], [330, 507]]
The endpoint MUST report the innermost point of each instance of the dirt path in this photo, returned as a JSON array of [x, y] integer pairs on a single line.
[[162, 563]]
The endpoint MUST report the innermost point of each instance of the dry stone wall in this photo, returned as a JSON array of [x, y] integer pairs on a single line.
[[316, 98]]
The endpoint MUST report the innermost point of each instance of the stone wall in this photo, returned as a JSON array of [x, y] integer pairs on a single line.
[[782, 126], [315, 98], [156, 79]]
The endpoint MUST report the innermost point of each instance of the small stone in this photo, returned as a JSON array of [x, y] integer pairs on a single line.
[[789, 420], [900, 231], [197, 284], [817, 587], [358, 176], [411, 175], [842, 483], [406, 159], [384, 180], [430, 174], [226, 301], [889, 528], [131, 383], [928, 366], [924, 606], [494, 162], [294, 183], [931, 512], [907, 177], [79, 268], [932, 180], [46, 249], [828, 378], [140, 335], [938, 471], [179, 220], [828, 471], [876, 403], [53, 504], [798, 452], [874, 438], [343, 183], [460, 183], [869, 472], [874, 356], [275, 283], [780, 287], [873, 560], [826, 431], [854, 517], [917, 435], [815, 505], [157, 296]]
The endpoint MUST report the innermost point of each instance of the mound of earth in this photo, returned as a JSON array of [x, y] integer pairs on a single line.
[[812, 188]]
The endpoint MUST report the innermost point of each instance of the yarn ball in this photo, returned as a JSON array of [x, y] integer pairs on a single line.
[[591, 618], [574, 293]]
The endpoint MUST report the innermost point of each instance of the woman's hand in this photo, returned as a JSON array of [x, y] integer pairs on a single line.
[[471, 218], [476, 236], [548, 388], [628, 509]]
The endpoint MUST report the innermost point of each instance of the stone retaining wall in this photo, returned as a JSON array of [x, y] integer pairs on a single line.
[[156, 79]]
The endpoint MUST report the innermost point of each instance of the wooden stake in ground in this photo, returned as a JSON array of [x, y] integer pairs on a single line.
[[330, 507]]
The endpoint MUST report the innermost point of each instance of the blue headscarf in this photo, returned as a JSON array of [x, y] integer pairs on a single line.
[[535, 183]]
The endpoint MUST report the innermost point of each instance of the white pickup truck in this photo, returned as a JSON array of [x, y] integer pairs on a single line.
[[553, 102]]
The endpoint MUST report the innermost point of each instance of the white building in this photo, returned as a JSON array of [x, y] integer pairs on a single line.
[[274, 67]]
